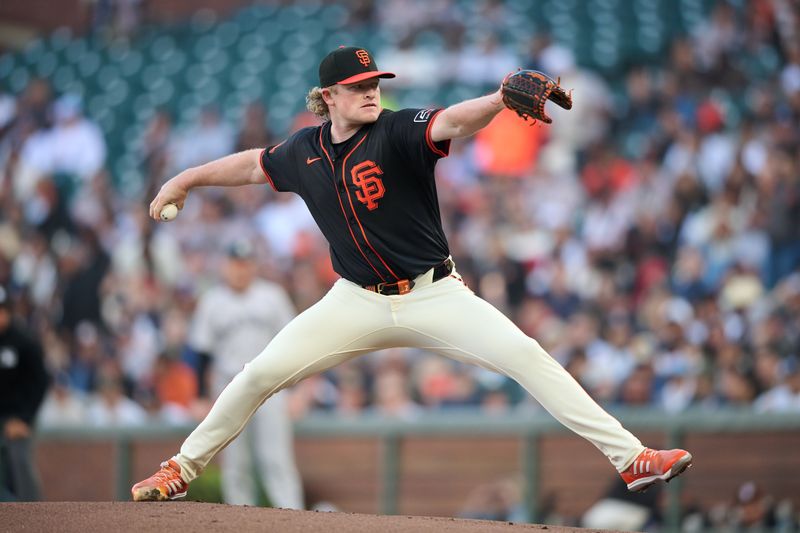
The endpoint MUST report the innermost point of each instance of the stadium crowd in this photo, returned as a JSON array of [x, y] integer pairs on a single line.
[[649, 238]]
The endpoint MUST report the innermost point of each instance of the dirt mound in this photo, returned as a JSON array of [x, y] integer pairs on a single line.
[[120, 517]]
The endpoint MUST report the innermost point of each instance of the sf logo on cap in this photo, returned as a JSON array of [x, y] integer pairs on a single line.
[[363, 57]]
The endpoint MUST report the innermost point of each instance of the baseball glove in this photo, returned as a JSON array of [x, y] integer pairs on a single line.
[[526, 92]]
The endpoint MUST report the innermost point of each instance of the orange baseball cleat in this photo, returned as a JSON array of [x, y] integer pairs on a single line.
[[166, 484], [652, 465]]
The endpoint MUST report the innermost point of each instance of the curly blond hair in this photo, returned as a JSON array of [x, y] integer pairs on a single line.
[[316, 103]]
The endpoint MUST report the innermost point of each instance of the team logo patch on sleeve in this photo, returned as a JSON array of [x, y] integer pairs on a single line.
[[424, 115], [365, 175]]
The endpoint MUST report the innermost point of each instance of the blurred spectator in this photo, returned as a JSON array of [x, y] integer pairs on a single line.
[[283, 222], [83, 268], [752, 509], [52, 152], [254, 132], [138, 338], [620, 509], [638, 388], [784, 395], [71, 129], [35, 269], [610, 361], [119, 19], [63, 405], [231, 323], [175, 385], [137, 251], [508, 147], [781, 183], [23, 383], [87, 355], [393, 397], [414, 66], [155, 151], [109, 406], [434, 381], [498, 500], [485, 62], [207, 139], [587, 121]]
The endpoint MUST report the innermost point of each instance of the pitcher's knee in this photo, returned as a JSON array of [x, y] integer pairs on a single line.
[[533, 346], [523, 351], [257, 376]]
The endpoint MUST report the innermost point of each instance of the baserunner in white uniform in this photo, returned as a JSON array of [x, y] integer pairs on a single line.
[[231, 324], [367, 177]]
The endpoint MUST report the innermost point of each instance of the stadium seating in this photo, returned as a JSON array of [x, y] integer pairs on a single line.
[[270, 53]]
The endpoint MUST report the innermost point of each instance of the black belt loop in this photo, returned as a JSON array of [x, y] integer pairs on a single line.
[[404, 286], [443, 269]]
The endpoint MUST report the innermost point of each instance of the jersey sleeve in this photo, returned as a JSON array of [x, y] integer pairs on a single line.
[[411, 130], [279, 163]]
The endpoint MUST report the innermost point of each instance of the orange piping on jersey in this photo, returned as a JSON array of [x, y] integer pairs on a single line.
[[276, 146], [321, 145], [261, 163], [346, 188], [428, 139]]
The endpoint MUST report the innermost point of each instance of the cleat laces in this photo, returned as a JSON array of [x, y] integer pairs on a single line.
[[166, 474]]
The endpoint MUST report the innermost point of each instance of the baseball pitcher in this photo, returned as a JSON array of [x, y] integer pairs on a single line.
[[367, 176]]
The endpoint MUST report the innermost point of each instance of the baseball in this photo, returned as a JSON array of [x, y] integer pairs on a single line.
[[169, 212]]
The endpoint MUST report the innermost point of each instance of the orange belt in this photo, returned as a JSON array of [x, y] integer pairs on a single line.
[[404, 286]]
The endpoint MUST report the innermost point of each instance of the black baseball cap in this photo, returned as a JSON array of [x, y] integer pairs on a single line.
[[241, 249], [349, 64]]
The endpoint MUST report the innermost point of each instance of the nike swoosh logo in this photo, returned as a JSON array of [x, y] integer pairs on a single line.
[[309, 160]]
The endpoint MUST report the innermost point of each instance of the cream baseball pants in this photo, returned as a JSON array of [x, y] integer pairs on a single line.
[[444, 317], [263, 452]]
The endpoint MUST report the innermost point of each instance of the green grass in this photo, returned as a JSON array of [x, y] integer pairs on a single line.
[[208, 488]]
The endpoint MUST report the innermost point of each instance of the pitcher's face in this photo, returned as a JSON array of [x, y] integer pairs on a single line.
[[355, 103]]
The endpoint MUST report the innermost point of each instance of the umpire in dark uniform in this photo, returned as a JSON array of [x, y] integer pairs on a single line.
[[23, 383]]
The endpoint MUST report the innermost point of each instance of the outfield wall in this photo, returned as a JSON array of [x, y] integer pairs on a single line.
[[429, 466]]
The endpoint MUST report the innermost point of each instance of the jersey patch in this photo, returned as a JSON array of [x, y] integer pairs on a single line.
[[365, 175], [424, 115]]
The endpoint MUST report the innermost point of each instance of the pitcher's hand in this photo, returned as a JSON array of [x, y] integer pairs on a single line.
[[172, 192]]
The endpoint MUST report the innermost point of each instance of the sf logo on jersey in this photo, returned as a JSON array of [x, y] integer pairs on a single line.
[[365, 175]]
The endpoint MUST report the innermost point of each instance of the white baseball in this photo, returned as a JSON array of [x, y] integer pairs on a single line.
[[169, 212]]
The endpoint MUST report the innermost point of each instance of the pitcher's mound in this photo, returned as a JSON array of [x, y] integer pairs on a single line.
[[120, 517]]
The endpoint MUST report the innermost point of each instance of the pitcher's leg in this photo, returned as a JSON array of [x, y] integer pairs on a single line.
[[274, 453], [460, 325], [235, 461], [335, 329]]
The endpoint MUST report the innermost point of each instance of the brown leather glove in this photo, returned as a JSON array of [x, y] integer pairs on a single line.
[[526, 92]]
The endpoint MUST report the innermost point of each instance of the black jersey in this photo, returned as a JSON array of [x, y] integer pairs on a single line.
[[374, 196]]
